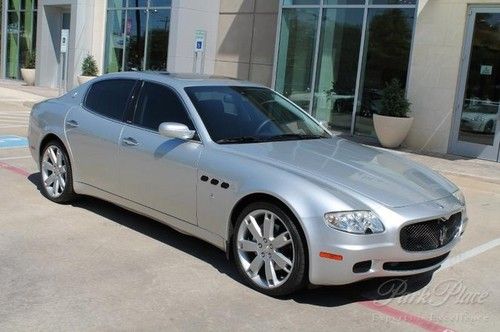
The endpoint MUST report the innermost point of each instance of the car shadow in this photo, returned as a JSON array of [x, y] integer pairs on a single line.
[[325, 296]]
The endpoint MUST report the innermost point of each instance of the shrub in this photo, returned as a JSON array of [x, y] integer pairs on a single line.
[[29, 60], [394, 102], [89, 66]]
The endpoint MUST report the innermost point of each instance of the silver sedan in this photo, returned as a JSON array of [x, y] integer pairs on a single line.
[[243, 168]]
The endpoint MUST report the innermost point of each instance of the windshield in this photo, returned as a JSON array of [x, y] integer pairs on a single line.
[[235, 114]]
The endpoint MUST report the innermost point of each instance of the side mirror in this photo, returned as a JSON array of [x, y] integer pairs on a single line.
[[175, 130]]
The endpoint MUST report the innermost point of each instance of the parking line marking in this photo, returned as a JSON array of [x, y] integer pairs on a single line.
[[15, 158], [469, 254], [402, 316], [14, 169]]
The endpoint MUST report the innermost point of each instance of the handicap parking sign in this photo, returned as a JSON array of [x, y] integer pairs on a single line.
[[13, 141]]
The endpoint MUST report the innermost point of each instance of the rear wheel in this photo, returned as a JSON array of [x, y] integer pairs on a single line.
[[269, 250], [57, 179]]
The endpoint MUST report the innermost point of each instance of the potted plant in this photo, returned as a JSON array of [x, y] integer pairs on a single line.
[[392, 124], [89, 69], [28, 71]]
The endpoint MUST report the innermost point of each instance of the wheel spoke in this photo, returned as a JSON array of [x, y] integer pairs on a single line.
[[270, 273], [46, 166], [56, 186], [268, 226], [59, 158], [50, 180], [281, 240], [246, 245], [283, 262], [52, 156], [255, 266], [62, 182], [62, 169], [254, 228]]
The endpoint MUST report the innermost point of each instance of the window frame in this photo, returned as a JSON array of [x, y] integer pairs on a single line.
[[131, 112], [130, 99]]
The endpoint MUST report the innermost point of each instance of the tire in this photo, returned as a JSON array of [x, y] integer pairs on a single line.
[[56, 173], [274, 263]]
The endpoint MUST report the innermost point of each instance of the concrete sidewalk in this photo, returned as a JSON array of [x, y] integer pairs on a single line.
[[18, 91]]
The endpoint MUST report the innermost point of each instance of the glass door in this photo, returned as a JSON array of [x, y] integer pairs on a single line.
[[476, 124]]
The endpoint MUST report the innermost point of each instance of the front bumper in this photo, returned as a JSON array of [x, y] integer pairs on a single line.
[[377, 255]]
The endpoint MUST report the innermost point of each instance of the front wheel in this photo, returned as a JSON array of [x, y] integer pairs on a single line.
[[55, 168], [269, 250]]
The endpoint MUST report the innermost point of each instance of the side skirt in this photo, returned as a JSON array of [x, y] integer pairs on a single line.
[[175, 223]]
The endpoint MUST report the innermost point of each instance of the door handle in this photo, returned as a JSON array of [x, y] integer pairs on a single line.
[[130, 141], [72, 123]]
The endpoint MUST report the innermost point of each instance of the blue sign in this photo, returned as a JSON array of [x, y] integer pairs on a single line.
[[13, 141], [199, 45]]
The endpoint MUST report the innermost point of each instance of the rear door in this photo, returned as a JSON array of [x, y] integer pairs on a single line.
[[93, 131], [156, 171]]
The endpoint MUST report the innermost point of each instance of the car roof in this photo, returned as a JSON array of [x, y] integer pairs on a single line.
[[181, 80]]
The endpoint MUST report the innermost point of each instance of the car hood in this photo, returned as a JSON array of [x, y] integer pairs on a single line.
[[381, 176]]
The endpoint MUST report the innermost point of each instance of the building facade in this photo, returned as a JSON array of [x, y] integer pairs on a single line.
[[332, 57]]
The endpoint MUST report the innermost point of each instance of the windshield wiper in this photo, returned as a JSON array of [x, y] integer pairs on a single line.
[[285, 137], [241, 139]]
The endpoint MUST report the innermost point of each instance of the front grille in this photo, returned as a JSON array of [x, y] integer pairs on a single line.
[[414, 265], [431, 234]]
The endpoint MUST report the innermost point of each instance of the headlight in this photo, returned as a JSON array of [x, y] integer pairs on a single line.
[[356, 222], [460, 197]]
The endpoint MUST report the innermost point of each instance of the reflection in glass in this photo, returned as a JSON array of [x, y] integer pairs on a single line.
[[135, 32], [158, 32], [20, 35], [137, 37], [482, 92], [12, 63], [296, 54], [114, 41], [337, 66], [386, 57]]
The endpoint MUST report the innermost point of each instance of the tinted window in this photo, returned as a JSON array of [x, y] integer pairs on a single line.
[[110, 97], [249, 114], [158, 104]]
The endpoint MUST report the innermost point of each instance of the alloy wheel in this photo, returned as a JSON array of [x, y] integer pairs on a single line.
[[54, 171], [265, 249]]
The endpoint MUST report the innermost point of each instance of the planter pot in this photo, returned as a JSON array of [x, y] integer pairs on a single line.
[[391, 131], [84, 79], [28, 75]]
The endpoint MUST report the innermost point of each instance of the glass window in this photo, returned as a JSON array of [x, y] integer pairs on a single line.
[[250, 114], [387, 54], [135, 33], [20, 35], [344, 2], [300, 2], [160, 3], [114, 40], [296, 54], [332, 62], [158, 104], [137, 37], [393, 2], [137, 3], [158, 34], [481, 103], [337, 66], [110, 97], [12, 62]]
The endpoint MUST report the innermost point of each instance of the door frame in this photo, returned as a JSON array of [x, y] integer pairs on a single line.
[[462, 147]]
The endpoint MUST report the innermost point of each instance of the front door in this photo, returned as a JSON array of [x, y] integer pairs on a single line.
[[156, 171], [477, 122]]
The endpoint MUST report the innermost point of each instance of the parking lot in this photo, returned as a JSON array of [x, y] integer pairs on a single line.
[[91, 265]]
